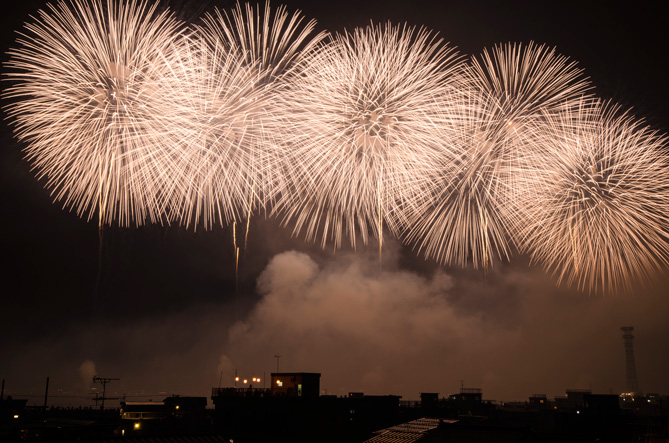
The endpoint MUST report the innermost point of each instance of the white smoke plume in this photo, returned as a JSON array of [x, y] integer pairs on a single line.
[[86, 373]]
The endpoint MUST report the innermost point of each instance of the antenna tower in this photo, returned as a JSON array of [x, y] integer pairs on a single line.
[[632, 381], [103, 381]]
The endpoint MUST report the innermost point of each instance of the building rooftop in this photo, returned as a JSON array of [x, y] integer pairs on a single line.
[[408, 432]]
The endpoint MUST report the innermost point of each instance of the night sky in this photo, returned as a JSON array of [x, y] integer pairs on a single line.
[[166, 318]]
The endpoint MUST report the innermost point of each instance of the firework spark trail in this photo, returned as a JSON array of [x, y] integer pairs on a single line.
[[597, 211], [83, 98], [274, 43], [471, 210], [363, 124]]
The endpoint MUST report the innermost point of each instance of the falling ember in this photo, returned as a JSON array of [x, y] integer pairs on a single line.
[[248, 226], [237, 269], [234, 235]]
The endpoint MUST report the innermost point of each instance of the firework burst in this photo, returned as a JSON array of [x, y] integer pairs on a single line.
[[597, 210], [365, 123], [471, 210], [214, 111], [225, 118], [83, 98]]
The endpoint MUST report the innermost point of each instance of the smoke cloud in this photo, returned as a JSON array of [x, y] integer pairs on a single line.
[[365, 326], [383, 330], [87, 372]]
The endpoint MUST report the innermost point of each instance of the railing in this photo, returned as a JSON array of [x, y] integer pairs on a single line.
[[471, 391], [410, 403], [241, 392]]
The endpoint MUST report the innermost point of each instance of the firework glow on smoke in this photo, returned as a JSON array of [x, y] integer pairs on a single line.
[[84, 100], [126, 112]]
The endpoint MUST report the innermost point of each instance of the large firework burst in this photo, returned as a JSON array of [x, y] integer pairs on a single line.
[[225, 118], [471, 211], [597, 211], [214, 111], [365, 124], [83, 97]]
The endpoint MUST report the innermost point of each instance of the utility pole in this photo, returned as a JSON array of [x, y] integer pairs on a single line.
[[103, 381], [277, 362], [46, 394]]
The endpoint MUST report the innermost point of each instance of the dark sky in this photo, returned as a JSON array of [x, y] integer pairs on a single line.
[[167, 318]]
